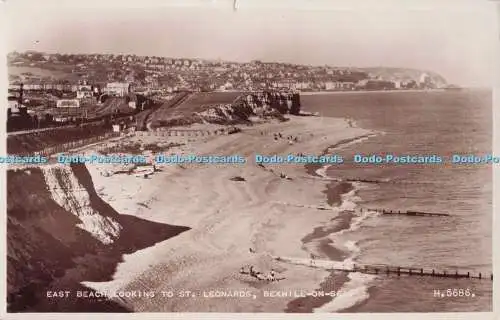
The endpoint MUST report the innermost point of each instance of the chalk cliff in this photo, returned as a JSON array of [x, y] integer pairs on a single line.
[[60, 233]]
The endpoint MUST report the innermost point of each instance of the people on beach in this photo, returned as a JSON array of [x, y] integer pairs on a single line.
[[271, 276], [259, 275], [313, 259]]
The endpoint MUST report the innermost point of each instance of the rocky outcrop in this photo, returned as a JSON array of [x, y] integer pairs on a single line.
[[261, 104]]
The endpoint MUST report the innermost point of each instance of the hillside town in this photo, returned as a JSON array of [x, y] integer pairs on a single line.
[[57, 89], [175, 74]]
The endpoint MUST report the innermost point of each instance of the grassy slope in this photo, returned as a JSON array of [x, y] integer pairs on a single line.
[[196, 103]]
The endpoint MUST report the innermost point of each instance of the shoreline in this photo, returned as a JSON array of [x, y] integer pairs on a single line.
[[210, 254], [313, 93], [334, 191]]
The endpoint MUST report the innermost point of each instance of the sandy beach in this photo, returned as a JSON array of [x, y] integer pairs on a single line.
[[267, 213]]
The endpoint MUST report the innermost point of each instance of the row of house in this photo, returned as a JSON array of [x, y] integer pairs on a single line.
[[82, 90]]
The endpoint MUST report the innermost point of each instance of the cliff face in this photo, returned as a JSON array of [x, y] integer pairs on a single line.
[[71, 195], [60, 233], [405, 74], [240, 110], [225, 114]]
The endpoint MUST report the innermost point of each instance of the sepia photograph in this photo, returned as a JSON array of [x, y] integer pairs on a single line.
[[249, 156]]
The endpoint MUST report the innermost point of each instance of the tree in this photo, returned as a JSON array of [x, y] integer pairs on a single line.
[[36, 122], [48, 118]]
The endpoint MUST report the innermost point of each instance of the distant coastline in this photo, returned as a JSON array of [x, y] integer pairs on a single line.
[[311, 93]]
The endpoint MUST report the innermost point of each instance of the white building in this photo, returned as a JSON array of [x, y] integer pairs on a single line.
[[68, 103], [82, 94], [302, 85], [423, 77], [13, 105], [330, 85], [117, 88], [227, 86]]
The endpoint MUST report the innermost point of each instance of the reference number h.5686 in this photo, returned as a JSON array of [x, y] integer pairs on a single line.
[[454, 292]]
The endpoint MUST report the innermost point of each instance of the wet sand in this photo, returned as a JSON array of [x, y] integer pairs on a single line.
[[226, 219]]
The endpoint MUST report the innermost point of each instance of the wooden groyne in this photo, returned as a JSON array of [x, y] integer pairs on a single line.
[[161, 132], [413, 271], [382, 211], [384, 269], [408, 213], [317, 207], [362, 180], [381, 181]]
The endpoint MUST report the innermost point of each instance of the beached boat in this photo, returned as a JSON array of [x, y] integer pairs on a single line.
[[143, 171]]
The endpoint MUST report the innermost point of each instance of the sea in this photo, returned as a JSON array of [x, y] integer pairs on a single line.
[[415, 123]]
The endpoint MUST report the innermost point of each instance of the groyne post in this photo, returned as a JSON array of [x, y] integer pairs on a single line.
[[433, 272], [479, 275], [468, 274], [399, 271], [422, 271], [456, 274]]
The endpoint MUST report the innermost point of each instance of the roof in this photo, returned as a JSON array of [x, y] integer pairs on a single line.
[[118, 84]]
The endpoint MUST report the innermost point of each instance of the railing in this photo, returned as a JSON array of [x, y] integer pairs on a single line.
[[64, 147]]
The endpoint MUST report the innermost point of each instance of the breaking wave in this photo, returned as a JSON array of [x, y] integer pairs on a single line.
[[353, 292]]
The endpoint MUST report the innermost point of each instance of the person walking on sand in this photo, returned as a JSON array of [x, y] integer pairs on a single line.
[[313, 259], [272, 275]]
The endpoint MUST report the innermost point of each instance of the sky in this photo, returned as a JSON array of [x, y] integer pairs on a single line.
[[456, 39]]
